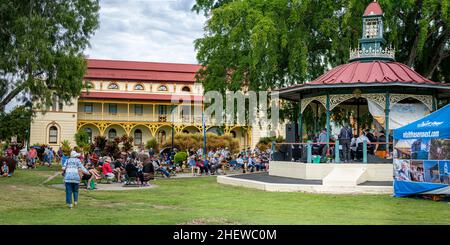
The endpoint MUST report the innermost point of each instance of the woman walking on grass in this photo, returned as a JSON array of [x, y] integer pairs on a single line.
[[72, 177]]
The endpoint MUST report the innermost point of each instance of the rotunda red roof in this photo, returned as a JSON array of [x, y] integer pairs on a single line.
[[374, 8], [371, 72]]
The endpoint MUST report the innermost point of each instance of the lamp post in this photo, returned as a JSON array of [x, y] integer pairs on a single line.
[[173, 127]]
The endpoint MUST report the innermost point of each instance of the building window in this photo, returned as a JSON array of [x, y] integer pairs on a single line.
[[162, 88], [186, 89], [138, 109], [60, 104], [113, 86], [233, 134], [139, 87], [137, 137], [89, 132], [162, 109], [162, 137], [112, 134], [54, 102], [112, 108], [88, 108], [185, 113], [53, 135]]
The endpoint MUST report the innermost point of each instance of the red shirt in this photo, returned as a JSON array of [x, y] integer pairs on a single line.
[[106, 168]]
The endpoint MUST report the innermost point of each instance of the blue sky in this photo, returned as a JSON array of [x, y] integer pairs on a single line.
[[147, 30]]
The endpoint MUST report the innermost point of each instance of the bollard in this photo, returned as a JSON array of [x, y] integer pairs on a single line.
[[309, 152], [337, 158], [364, 151]]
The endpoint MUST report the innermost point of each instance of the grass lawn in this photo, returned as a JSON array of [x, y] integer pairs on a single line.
[[26, 199]]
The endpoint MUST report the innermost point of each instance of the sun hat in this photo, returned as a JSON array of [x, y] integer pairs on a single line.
[[74, 154]]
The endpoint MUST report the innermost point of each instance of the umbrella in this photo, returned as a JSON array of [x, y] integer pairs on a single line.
[[165, 150]]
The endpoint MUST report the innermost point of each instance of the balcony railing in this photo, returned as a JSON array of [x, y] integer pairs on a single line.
[[193, 119]]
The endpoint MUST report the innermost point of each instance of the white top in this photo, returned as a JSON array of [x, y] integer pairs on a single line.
[[361, 139]]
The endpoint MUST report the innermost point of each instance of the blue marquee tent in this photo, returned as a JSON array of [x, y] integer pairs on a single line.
[[434, 126]]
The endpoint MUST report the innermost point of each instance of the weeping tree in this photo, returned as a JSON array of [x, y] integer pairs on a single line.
[[41, 49]]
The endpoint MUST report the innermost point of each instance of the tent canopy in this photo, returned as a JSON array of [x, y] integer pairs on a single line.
[[435, 125]]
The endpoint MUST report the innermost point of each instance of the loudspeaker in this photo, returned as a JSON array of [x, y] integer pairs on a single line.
[[291, 133], [296, 152], [278, 156], [304, 151]]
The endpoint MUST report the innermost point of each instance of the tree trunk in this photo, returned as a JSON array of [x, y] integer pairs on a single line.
[[438, 56], [413, 53]]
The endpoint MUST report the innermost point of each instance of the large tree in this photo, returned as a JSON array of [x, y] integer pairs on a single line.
[[41, 48], [15, 123], [263, 44]]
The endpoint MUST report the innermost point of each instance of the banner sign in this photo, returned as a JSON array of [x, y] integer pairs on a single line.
[[422, 156]]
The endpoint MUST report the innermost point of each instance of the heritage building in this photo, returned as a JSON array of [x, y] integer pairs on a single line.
[[136, 99]]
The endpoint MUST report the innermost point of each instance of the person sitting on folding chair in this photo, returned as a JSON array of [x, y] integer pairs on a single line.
[[107, 170], [132, 172]]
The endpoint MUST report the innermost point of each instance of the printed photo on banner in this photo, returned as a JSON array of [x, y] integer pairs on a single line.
[[402, 149], [420, 149], [444, 169], [402, 169], [431, 169], [417, 171], [439, 149]]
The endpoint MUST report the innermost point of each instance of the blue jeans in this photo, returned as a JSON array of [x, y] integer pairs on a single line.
[[164, 171], [72, 189]]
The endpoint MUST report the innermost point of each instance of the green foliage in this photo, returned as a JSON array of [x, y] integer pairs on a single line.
[[265, 143], [41, 48], [99, 142], [180, 157], [82, 139], [204, 201], [340, 115], [365, 120], [152, 143], [15, 123], [66, 148], [112, 148], [127, 143], [265, 44], [184, 142]]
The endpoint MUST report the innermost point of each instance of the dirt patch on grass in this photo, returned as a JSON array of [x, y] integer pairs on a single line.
[[161, 206], [211, 221]]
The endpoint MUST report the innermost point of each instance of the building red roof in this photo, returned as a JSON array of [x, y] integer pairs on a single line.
[[139, 96], [374, 8], [142, 71], [371, 72]]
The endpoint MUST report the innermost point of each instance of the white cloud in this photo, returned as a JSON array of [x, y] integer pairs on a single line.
[[147, 30]]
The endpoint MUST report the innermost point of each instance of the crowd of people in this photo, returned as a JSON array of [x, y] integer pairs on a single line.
[[216, 161], [352, 144], [8, 161], [130, 168]]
